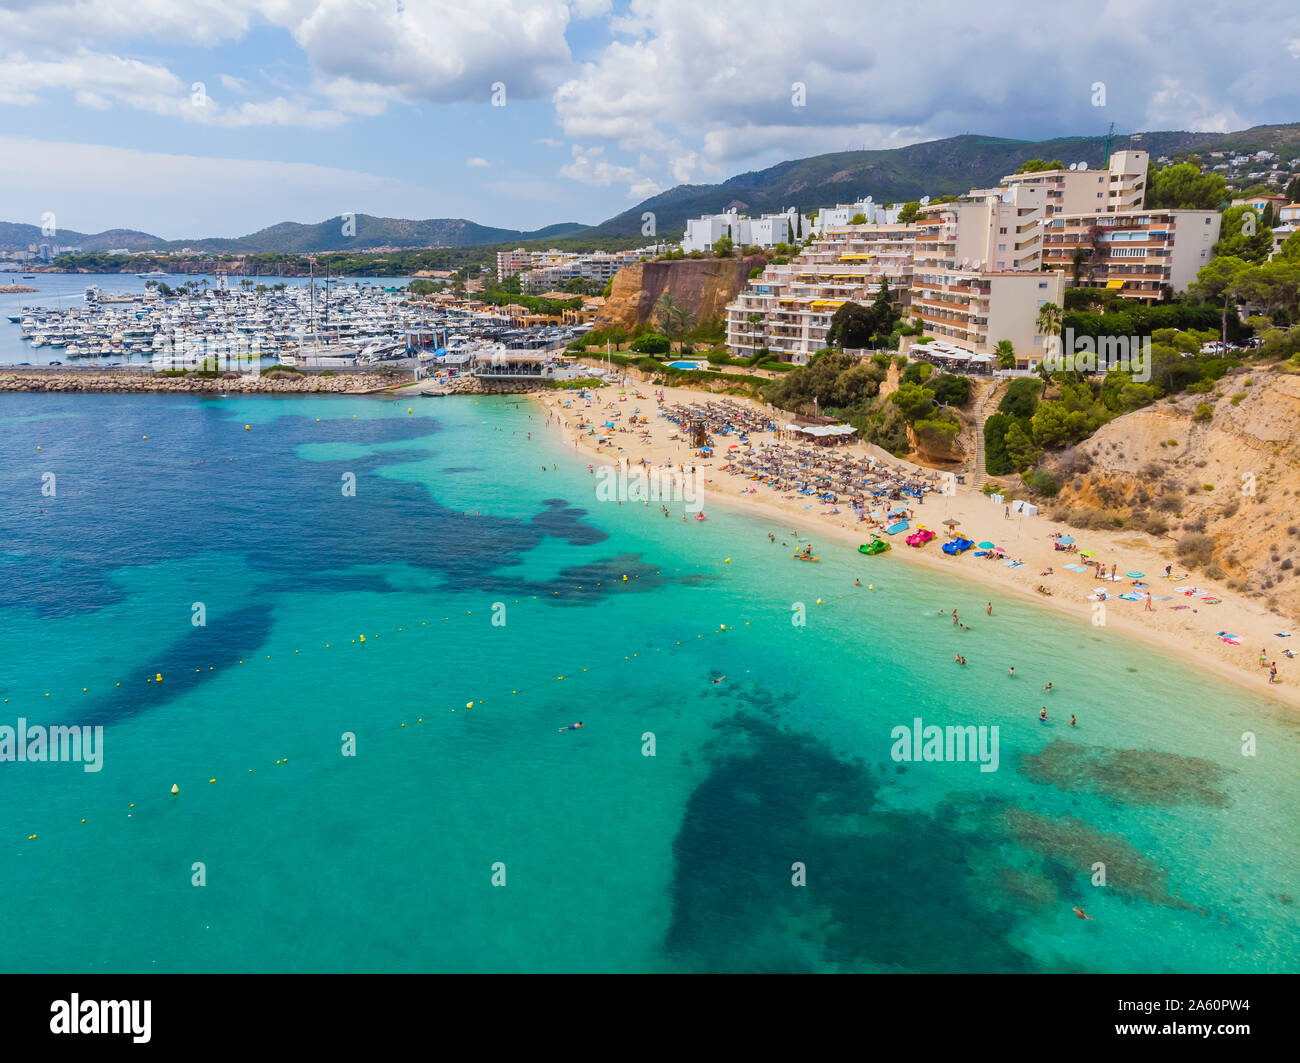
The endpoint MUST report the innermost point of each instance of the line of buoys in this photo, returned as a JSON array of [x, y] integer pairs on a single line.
[[175, 790]]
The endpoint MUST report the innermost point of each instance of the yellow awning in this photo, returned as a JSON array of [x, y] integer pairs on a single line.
[[854, 255], [829, 302], [1115, 284]]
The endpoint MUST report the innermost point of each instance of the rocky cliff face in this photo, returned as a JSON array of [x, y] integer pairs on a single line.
[[705, 286], [1222, 493]]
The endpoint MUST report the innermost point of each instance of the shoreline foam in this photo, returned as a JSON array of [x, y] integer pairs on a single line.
[[1184, 634]]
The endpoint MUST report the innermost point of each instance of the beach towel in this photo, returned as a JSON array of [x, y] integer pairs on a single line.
[[1211, 601], [1190, 591], [1180, 607], [1012, 564], [1131, 597], [1230, 641], [1283, 634], [1227, 635], [1076, 568]]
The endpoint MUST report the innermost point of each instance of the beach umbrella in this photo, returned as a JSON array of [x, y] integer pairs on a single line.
[[952, 523], [1134, 575], [1088, 553], [986, 546]]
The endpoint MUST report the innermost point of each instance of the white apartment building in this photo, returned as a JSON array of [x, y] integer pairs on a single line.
[[511, 262], [978, 276], [771, 229], [1078, 190], [788, 308], [843, 213], [598, 267]]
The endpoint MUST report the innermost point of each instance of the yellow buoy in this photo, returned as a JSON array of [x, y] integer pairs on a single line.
[[175, 789], [158, 677], [212, 780], [363, 638], [247, 429], [469, 704], [727, 561]]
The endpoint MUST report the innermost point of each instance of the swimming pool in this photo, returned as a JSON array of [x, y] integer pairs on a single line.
[[685, 365]]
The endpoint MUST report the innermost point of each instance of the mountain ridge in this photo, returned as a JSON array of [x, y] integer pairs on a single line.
[[950, 165]]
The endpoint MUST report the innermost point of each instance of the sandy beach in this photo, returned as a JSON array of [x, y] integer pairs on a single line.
[[1181, 625]]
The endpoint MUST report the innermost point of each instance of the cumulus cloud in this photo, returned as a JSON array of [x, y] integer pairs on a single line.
[[101, 81], [590, 167], [440, 52], [476, 161], [703, 90]]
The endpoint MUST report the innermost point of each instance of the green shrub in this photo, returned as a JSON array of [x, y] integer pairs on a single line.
[[1042, 482], [651, 343]]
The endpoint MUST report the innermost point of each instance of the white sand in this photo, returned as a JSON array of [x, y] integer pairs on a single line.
[[1189, 633]]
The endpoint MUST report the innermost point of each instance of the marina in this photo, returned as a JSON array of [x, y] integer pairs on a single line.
[[323, 323]]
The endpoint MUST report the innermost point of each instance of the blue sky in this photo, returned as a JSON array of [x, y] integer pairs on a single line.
[[314, 107]]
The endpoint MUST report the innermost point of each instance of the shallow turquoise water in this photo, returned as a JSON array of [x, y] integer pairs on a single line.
[[614, 861]]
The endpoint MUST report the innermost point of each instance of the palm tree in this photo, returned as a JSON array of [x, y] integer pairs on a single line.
[[1005, 353], [1048, 324], [673, 318]]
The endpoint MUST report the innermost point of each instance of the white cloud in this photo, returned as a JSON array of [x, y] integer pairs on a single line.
[[439, 52], [590, 167], [101, 81], [705, 89], [200, 22], [477, 161]]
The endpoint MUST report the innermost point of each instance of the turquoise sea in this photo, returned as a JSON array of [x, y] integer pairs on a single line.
[[611, 860]]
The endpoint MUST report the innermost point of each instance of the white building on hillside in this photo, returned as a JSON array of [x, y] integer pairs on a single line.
[[843, 213], [769, 230]]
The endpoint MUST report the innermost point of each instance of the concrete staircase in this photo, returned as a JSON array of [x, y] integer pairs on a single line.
[[985, 407]]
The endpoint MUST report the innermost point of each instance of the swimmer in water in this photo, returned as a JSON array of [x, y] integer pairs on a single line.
[[857, 583], [719, 679], [1042, 715], [1071, 721], [1048, 687], [1081, 913], [1012, 671], [572, 726]]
